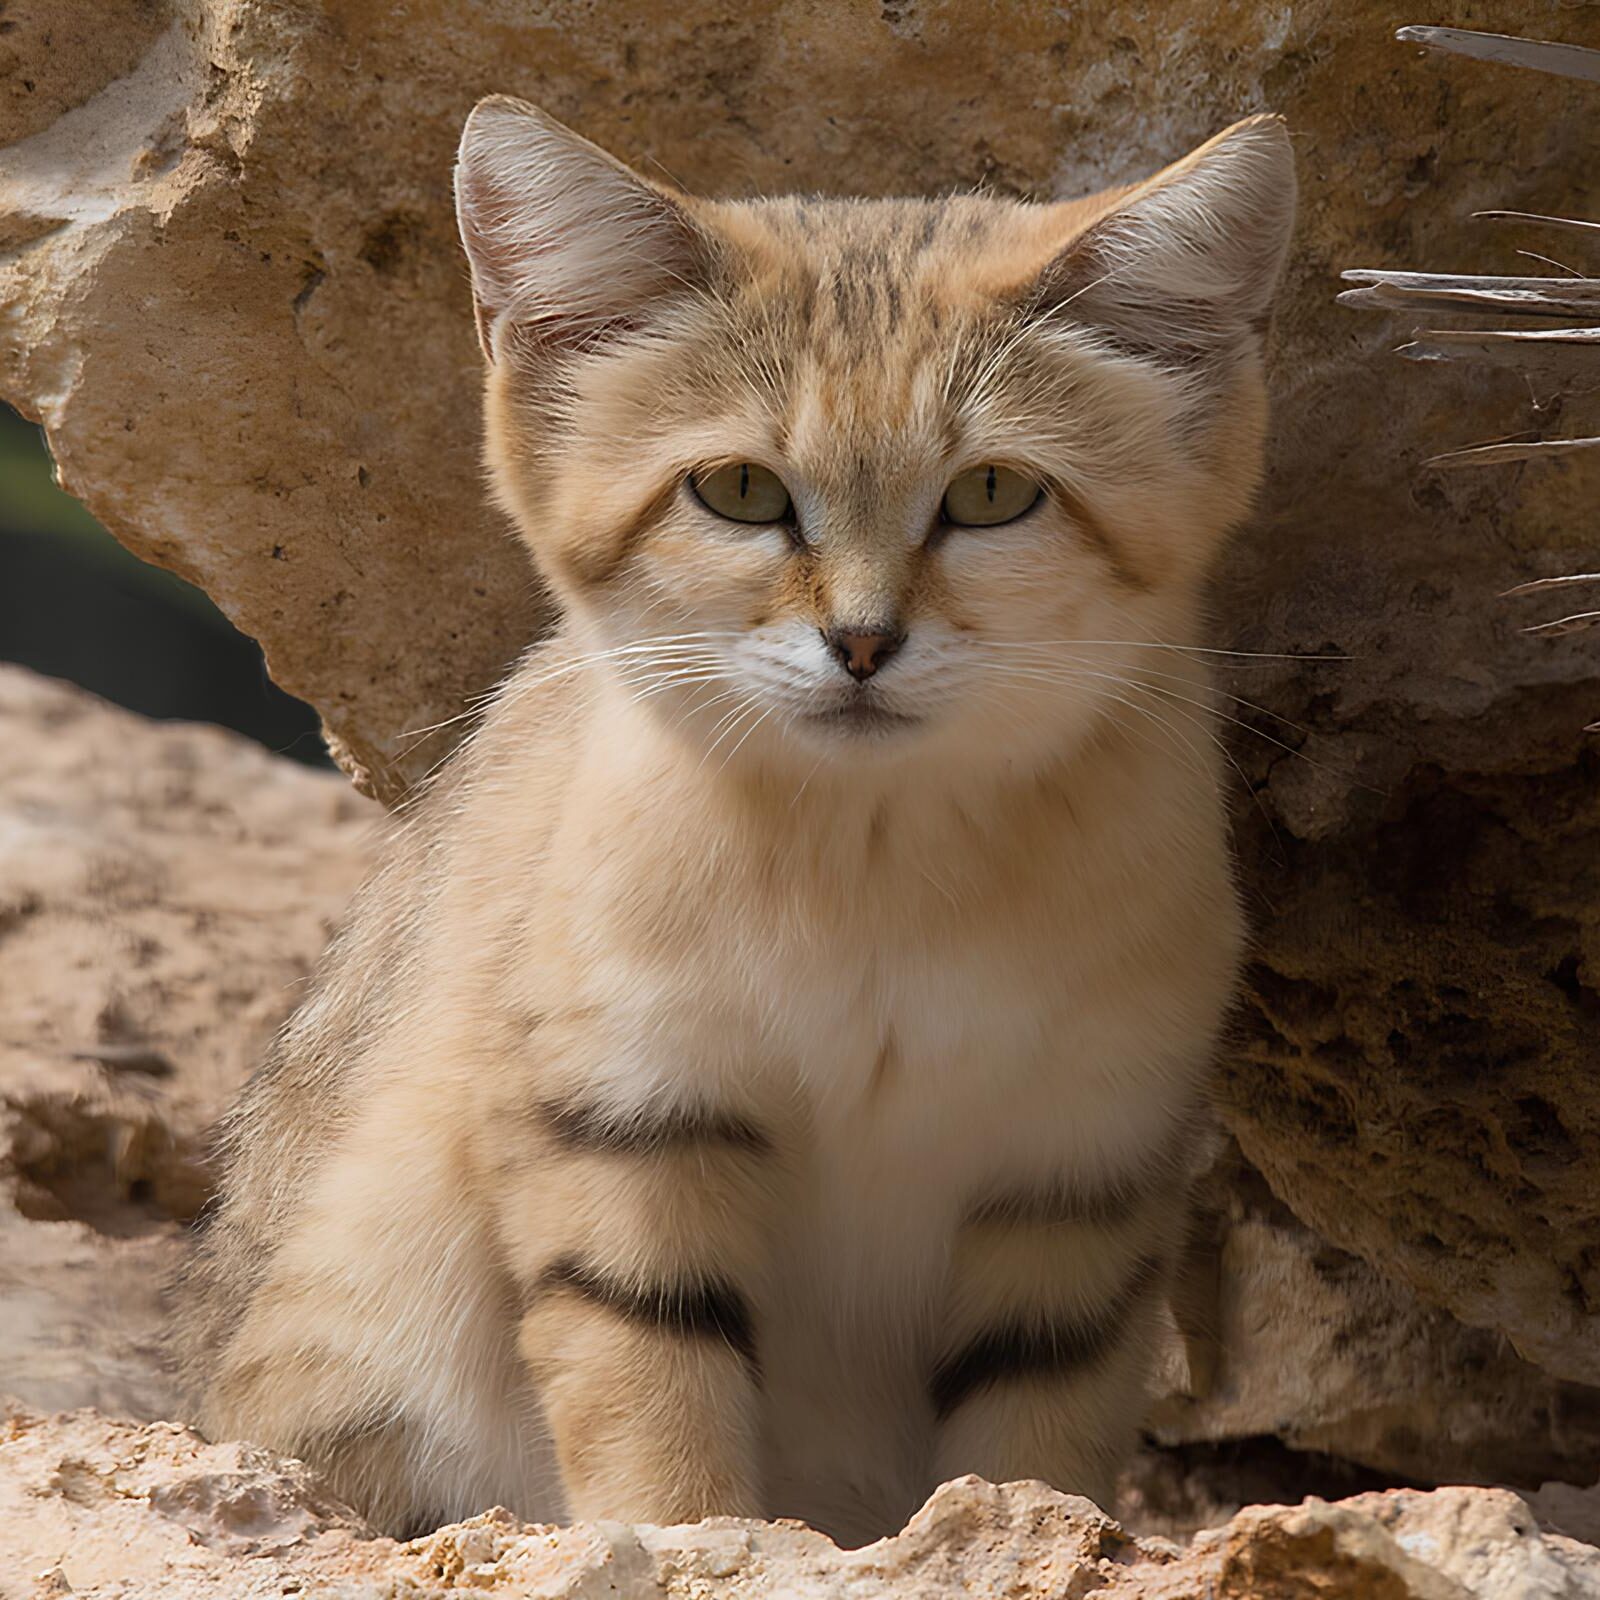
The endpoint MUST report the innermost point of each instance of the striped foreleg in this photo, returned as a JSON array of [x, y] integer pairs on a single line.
[[1054, 1307], [638, 1237]]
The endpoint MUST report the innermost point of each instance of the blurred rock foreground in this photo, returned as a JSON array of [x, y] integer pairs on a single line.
[[229, 287], [164, 891], [90, 1507]]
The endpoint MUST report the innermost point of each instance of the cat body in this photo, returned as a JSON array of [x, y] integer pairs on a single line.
[[761, 1077]]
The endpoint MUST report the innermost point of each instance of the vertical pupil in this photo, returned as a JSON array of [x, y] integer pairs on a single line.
[[989, 485], [744, 479]]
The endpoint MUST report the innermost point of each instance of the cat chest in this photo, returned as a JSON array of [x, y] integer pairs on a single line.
[[947, 1075]]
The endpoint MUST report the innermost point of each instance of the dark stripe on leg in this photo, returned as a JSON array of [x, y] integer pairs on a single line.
[[598, 1128], [709, 1308], [1025, 1349], [1106, 1204]]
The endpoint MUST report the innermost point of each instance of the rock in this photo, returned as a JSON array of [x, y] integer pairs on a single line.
[[1453, 1544], [233, 295], [124, 1510], [82, 1321], [164, 890], [121, 1512], [1316, 1348], [194, 168], [1565, 1508]]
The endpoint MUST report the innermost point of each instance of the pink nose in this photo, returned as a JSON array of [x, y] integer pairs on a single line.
[[861, 654]]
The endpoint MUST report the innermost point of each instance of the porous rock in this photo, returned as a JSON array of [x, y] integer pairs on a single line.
[[1314, 1347], [231, 291], [164, 891], [93, 1507]]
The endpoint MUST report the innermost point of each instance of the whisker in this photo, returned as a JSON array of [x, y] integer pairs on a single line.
[[516, 687], [745, 735], [729, 723], [702, 705], [1040, 682], [743, 699], [1078, 674], [1175, 677], [807, 779], [1156, 644]]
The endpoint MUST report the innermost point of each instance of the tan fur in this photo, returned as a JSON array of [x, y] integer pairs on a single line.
[[744, 1089]]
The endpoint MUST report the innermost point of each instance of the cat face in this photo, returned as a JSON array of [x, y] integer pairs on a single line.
[[854, 479]]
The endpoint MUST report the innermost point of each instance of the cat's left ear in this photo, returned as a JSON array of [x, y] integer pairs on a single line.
[[566, 243], [1183, 266]]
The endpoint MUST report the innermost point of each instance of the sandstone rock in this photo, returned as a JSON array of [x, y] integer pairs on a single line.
[[163, 891], [120, 1512], [123, 1510], [1567, 1509], [1311, 1345], [233, 295]]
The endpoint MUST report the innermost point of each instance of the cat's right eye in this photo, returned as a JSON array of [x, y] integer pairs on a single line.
[[742, 491]]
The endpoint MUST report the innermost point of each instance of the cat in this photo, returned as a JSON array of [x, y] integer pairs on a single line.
[[762, 1076]]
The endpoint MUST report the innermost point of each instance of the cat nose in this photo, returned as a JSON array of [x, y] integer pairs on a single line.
[[861, 654]]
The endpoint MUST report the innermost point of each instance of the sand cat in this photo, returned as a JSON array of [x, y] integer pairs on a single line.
[[760, 1078]]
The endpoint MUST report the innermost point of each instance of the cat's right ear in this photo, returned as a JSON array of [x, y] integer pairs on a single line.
[[566, 244]]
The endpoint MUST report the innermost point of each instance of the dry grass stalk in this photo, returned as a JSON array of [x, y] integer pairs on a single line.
[[1568, 359]]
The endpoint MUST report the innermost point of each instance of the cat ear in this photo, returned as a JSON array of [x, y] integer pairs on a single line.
[[1183, 267], [564, 241]]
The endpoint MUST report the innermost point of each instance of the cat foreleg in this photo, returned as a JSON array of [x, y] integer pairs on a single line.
[[1053, 1312], [638, 1236]]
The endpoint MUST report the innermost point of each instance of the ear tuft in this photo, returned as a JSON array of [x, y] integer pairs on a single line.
[[564, 241], [1184, 266]]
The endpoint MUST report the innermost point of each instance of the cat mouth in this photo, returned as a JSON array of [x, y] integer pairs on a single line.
[[862, 714]]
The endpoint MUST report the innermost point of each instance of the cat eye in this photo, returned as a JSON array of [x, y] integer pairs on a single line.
[[742, 492], [985, 496]]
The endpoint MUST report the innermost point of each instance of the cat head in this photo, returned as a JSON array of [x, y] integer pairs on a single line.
[[855, 478]]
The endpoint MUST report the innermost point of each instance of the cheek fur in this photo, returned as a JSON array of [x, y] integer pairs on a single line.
[[786, 660], [1021, 584], [722, 580]]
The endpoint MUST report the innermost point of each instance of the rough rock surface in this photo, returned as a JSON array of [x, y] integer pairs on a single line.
[[1313, 1346], [164, 889], [232, 293], [92, 1507]]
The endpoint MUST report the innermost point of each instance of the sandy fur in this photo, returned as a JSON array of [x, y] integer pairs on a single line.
[[711, 1108]]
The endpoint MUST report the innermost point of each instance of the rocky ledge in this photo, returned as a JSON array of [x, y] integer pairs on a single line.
[[90, 1506]]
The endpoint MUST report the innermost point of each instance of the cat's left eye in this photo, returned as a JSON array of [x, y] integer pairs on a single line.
[[742, 492], [984, 496]]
